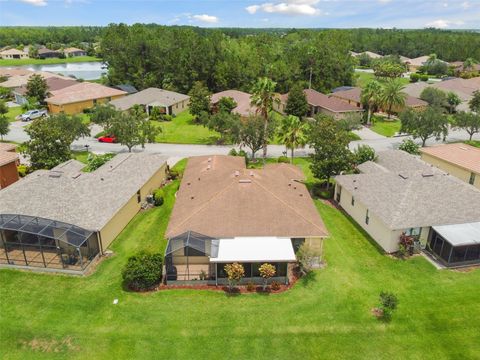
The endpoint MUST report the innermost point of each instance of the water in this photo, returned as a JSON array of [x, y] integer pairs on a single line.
[[81, 70]]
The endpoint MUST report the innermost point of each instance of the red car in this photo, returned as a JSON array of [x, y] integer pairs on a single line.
[[107, 139]]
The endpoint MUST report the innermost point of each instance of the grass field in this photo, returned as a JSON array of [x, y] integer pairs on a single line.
[[21, 62], [13, 112], [363, 78], [475, 143], [327, 315], [385, 127]]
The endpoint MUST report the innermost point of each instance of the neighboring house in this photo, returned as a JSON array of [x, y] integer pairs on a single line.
[[415, 63], [242, 99], [459, 68], [73, 52], [76, 98], [369, 53], [169, 102], [459, 160], [320, 103], [44, 53], [129, 89], [405, 60], [62, 219], [227, 213], [20, 77], [8, 165], [53, 84], [400, 193], [14, 72], [13, 54]]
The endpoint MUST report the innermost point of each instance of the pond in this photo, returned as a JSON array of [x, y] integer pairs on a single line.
[[81, 70]]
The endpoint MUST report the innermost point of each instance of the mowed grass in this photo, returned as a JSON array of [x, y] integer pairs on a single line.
[[13, 112], [20, 62], [182, 130], [363, 78], [326, 316], [385, 127]]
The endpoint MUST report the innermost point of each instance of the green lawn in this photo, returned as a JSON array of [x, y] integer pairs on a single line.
[[20, 62], [13, 112], [385, 127], [475, 143], [363, 78], [80, 156], [326, 316], [182, 130]]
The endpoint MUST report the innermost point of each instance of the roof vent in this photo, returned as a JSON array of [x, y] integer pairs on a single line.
[[237, 173], [55, 174], [245, 181], [198, 179], [188, 183], [301, 195], [355, 188], [463, 148], [209, 167], [192, 197], [251, 173], [403, 176], [209, 159]]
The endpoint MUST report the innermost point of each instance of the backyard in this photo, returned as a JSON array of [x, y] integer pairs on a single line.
[[327, 315], [21, 62], [363, 78], [385, 127]]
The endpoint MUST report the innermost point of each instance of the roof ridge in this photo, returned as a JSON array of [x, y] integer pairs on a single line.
[[402, 203]]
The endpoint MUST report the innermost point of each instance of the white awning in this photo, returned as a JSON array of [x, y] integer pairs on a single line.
[[460, 234], [253, 249]]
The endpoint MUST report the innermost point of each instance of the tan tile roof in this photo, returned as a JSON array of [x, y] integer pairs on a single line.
[[241, 98], [219, 197], [81, 92], [463, 155]]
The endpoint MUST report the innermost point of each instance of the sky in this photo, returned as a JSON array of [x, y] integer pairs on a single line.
[[444, 14]]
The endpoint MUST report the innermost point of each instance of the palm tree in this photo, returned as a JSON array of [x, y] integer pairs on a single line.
[[393, 95], [370, 97], [263, 96], [293, 133], [469, 64]]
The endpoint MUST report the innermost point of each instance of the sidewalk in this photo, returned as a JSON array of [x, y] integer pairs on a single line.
[[367, 134]]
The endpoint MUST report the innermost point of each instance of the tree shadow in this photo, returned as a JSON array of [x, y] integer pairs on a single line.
[[308, 279]]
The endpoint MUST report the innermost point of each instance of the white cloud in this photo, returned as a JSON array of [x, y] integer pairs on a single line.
[[206, 18], [442, 24], [287, 7], [465, 5], [35, 2]]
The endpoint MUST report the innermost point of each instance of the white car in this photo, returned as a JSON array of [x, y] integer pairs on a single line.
[[33, 114]]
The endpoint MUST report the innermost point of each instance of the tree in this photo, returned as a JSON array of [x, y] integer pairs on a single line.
[[199, 99], [225, 123], [350, 121], [425, 124], [235, 273], [32, 52], [37, 88], [51, 138], [293, 133], [393, 96], [143, 271], [103, 114], [453, 101], [127, 128], [297, 104], [94, 161], [267, 271], [307, 258], [470, 122], [371, 98], [434, 97], [263, 96], [474, 102], [331, 154], [226, 104], [409, 146], [252, 133], [364, 153], [388, 69], [4, 123]]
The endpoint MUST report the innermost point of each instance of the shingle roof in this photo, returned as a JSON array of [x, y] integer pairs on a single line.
[[355, 94], [13, 52], [149, 96], [88, 200], [413, 193], [7, 157], [81, 92], [316, 98], [219, 197], [462, 155], [242, 99], [72, 49], [43, 51], [53, 84]]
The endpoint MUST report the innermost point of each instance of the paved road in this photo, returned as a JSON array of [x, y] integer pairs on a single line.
[[178, 151]]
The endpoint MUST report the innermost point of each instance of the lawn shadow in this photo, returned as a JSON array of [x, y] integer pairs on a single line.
[[308, 279]]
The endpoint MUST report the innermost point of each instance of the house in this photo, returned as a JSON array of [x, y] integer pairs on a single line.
[[8, 165], [169, 102], [73, 52], [370, 54], [321, 103], [459, 160], [84, 95], [62, 219], [400, 193], [458, 67], [129, 89], [53, 84], [45, 53], [242, 99], [227, 213], [13, 54], [20, 77]]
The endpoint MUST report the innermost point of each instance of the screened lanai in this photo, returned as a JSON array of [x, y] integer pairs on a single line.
[[42, 243]]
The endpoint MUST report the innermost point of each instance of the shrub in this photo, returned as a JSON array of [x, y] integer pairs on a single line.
[[250, 286], [283, 159], [243, 153], [233, 152], [364, 153], [166, 117], [159, 197], [409, 146], [414, 77], [307, 258], [388, 300], [235, 273], [267, 271], [95, 161], [173, 174], [23, 170], [275, 285], [320, 191], [424, 77], [143, 271]]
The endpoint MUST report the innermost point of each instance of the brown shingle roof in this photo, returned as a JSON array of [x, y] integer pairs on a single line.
[[355, 95], [53, 84], [316, 98], [7, 157], [241, 98], [463, 155], [81, 92], [219, 197]]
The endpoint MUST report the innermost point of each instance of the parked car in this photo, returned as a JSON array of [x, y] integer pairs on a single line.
[[107, 139], [33, 114]]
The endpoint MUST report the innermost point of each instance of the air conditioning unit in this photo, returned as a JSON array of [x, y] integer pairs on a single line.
[[150, 199]]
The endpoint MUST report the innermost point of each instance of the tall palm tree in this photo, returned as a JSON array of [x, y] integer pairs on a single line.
[[263, 96], [371, 96], [393, 95], [293, 133]]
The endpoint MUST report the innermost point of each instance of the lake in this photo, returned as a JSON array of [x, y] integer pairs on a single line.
[[81, 70]]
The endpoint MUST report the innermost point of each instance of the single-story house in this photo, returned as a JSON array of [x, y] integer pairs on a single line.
[[369, 53], [243, 100], [13, 54], [415, 63], [400, 193], [73, 52], [8, 165], [45, 53], [9, 72], [84, 95], [169, 102], [320, 103], [62, 219], [459, 160], [458, 67], [226, 213], [53, 84], [20, 77]]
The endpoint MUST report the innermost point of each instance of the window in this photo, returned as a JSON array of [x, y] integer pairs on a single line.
[[176, 106], [139, 197], [353, 202], [471, 181], [414, 232], [367, 218]]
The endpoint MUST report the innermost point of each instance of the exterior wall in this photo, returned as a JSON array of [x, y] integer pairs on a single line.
[[78, 107], [452, 169], [279, 107], [9, 56], [180, 107], [8, 174], [117, 223], [76, 53], [351, 102], [314, 242]]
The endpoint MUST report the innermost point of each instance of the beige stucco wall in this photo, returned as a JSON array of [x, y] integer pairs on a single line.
[[118, 222], [452, 169], [180, 107], [78, 107]]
